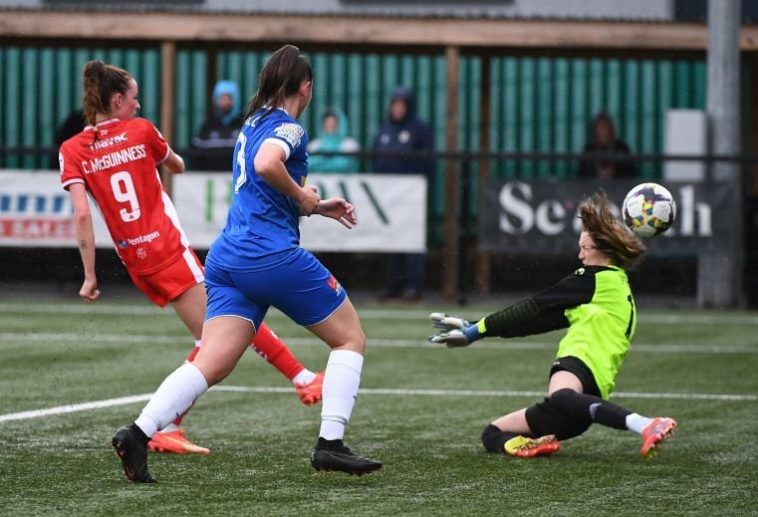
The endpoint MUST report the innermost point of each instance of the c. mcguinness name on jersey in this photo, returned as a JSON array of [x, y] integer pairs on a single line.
[[130, 154]]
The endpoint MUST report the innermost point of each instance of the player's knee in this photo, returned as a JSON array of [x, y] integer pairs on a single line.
[[547, 417], [567, 401], [493, 438], [354, 341], [213, 371]]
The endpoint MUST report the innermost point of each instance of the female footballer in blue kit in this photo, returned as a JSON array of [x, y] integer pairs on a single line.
[[257, 262]]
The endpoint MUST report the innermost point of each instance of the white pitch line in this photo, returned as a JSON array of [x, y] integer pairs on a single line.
[[68, 337], [703, 318], [74, 408], [122, 401]]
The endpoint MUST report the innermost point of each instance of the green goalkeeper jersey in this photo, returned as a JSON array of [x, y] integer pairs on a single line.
[[600, 331], [597, 306]]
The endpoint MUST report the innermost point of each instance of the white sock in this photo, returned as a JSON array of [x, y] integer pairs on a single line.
[[341, 380], [173, 397], [637, 423], [304, 377]]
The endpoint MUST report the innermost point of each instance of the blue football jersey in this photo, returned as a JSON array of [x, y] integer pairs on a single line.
[[262, 222]]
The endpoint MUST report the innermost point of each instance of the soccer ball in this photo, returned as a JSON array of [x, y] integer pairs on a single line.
[[649, 209]]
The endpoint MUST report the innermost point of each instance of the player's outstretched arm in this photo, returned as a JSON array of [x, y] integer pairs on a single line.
[[85, 238]]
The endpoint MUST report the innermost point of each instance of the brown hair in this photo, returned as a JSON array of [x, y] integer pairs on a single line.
[[101, 81], [611, 236], [281, 77]]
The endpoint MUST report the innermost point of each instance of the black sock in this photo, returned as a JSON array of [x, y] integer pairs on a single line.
[[494, 439], [579, 405], [330, 445], [610, 415], [141, 436]]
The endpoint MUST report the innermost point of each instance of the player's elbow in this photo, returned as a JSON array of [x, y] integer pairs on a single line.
[[180, 167], [82, 215], [175, 164], [265, 166]]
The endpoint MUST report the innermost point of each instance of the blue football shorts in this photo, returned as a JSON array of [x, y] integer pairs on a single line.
[[298, 285]]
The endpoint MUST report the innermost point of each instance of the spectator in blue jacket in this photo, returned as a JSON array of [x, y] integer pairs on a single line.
[[214, 144], [403, 132], [334, 136]]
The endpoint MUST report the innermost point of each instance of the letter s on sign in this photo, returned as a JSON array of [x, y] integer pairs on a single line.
[[516, 208]]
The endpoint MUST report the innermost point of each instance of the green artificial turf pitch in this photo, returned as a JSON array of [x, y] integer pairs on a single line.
[[421, 411]]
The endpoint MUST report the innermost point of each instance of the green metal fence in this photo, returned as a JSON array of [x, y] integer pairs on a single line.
[[539, 104], [40, 87]]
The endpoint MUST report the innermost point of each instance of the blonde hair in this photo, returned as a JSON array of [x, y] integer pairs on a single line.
[[611, 236]]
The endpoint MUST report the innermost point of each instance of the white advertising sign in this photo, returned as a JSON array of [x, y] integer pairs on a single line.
[[391, 211], [36, 212]]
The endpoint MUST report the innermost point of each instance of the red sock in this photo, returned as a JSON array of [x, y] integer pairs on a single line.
[[272, 349], [193, 354]]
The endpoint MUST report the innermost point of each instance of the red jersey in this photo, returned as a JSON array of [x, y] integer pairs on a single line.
[[119, 170]]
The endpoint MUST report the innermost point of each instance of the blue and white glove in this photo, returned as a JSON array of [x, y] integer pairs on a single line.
[[457, 332], [443, 321], [451, 338]]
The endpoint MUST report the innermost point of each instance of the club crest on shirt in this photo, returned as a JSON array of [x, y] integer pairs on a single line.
[[290, 132], [334, 285], [141, 253], [121, 244]]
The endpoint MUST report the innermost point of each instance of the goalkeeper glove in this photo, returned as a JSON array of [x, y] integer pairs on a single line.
[[452, 338], [444, 321]]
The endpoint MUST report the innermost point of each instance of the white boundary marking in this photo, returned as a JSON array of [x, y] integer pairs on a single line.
[[68, 337], [122, 401], [65, 307]]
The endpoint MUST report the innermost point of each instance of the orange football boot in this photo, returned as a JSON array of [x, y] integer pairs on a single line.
[[310, 393], [524, 447], [174, 442], [654, 434]]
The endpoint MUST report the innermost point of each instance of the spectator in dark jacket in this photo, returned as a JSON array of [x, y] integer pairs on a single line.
[[602, 139], [72, 125], [403, 132], [214, 145]]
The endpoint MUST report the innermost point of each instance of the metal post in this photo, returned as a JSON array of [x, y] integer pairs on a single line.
[[168, 80], [485, 107], [720, 270], [451, 217]]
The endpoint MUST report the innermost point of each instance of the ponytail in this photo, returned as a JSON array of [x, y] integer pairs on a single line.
[[281, 77], [101, 81]]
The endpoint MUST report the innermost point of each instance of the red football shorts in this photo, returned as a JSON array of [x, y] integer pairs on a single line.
[[164, 286]]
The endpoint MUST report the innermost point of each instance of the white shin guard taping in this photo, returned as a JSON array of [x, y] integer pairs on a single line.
[[341, 381], [174, 396]]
